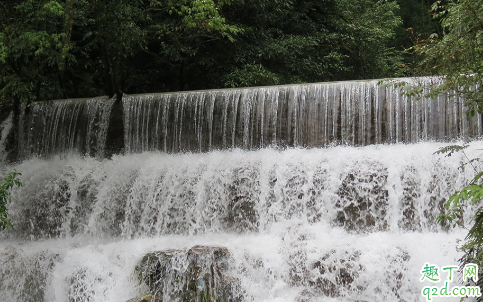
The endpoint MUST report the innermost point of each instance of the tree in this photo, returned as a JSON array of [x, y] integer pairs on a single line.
[[57, 49], [308, 41], [31, 46], [52, 49], [457, 55], [417, 23]]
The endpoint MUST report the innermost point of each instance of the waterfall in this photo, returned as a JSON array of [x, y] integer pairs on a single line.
[[338, 216], [64, 126], [5, 127], [355, 113]]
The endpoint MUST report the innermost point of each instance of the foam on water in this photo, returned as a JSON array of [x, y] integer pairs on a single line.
[[335, 224], [271, 267]]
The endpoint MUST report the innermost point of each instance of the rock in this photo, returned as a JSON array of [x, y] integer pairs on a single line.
[[243, 196], [363, 198], [335, 273], [145, 298], [199, 274], [411, 194]]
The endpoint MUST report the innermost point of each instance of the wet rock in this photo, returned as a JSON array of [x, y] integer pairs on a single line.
[[395, 275], [199, 274], [244, 193], [115, 131], [316, 204], [85, 198], [410, 220], [299, 272], [363, 198], [23, 276], [307, 296], [50, 198], [112, 215], [335, 273], [441, 186], [293, 193], [79, 291], [145, 298]]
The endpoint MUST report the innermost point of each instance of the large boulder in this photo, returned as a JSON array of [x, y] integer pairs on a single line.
[[201, 273]]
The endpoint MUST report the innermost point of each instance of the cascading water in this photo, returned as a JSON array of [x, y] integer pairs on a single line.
[[5, 129], [355, 113], [311, 115], [342, 223], [64, 126]]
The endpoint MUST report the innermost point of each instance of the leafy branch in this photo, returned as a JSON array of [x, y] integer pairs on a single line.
[[473, 193], [8, 183]]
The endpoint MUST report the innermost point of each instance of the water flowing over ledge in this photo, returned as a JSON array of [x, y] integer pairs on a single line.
[[355, 113], [251, 194], [375, 188], [64, 126], [296, 225], [310, 115]]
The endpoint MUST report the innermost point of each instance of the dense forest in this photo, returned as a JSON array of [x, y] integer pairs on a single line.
[[78, 48]]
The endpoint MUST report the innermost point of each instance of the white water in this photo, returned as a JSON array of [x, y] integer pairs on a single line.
[[83, 224], [89, 270], [316, 115]]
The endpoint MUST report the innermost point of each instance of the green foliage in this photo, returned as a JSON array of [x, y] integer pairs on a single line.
[[59, 49], [371, 26], [53, 49], [30, 46], [457, 53], [417, 24], [449, 150], [306, 41], [472, 192], [251, 75], [472, 247], [454, 210], [9, 182]]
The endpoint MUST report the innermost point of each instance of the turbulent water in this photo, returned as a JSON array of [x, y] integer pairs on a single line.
[[251, 194], [333, 224]]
